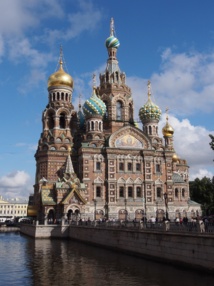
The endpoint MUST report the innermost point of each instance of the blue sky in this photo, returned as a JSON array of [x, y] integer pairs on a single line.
[[169, 42]]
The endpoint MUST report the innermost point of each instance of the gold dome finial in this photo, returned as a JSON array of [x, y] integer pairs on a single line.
[[60, 77], [175, 158], [167, 130]]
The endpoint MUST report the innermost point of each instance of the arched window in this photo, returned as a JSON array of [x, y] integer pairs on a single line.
[[183, 193], [106, 114], [158, 192], [176, 193], [51, 121], [98, 192], [121, 192], [62, 121], [130, 112], [119, 110], [150, 130], [138, 192], [130, 192], [92, 125]]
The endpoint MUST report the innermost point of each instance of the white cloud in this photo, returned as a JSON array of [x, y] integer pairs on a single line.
[[16, 184], [201, 173], [14, 180], [185, 82], [86, 19]]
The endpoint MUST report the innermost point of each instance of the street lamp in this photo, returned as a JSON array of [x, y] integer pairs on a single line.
[[95, 205], [166, 204], [156, 210], [125, 201], [106, 210]]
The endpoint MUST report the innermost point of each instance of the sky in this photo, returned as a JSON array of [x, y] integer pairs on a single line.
[[169, 42]]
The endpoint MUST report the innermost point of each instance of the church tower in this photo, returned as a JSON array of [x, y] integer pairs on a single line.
[[113, 89]]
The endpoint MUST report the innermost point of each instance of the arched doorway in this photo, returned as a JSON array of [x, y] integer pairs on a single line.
[[160, 215], [73, 215], [51, 216], [99, 214], [123, 215], [139, 214]]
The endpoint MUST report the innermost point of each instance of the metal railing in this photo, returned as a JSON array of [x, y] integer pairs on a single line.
[[189, 227]]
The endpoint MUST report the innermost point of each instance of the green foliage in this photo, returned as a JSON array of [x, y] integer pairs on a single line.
[[212, 141], [202, 191]]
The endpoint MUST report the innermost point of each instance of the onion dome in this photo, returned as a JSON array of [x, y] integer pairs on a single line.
[[167, 130], [149, 111], [94, 106], [60, 77], [112, 41], [175, 158]]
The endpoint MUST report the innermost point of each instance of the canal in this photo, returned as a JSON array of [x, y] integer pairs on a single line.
[[26, 261]]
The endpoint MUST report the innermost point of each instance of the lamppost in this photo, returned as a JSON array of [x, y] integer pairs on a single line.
[[95, 205], [156, 210], [125, 201], [106, 210], [166, 204]]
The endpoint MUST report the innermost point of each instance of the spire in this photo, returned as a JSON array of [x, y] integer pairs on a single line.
[[112, 27], [61, 58], [69, 166], [94, 82], [149, 90], [80, 105]]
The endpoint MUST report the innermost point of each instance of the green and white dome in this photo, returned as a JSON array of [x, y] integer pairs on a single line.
[[94, 106]]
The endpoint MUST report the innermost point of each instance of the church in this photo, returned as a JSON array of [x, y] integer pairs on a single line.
[[97, 163]]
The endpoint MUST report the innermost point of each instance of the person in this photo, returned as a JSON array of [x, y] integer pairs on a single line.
[[201, 225], [167, 224], [152, 220]]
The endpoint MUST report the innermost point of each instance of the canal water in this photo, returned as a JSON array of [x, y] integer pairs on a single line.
[[25, 261]]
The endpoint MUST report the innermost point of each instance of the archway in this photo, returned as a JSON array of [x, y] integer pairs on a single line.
[[51, 216], [139, 214], [123, 215]]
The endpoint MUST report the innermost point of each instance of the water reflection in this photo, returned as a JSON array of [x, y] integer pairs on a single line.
[[56, 262]]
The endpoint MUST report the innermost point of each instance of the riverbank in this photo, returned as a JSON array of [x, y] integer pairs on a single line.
[[9, 229], [190, 250]]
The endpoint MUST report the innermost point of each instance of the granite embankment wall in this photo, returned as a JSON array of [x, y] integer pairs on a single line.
[[195, 251]]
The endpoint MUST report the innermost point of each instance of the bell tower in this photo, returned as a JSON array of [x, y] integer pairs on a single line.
[[59, 123], [113, 89]]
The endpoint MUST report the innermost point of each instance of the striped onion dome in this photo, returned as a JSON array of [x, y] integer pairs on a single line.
[[112, 41], [149, 111], [94, 106]]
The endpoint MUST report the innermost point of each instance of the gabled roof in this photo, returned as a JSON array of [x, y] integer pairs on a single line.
[[74, 192]]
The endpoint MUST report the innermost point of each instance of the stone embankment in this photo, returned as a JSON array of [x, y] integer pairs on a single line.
[[9, 229], [192, 250]]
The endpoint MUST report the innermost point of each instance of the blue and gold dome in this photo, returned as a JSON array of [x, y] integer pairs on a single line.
[[94, 106], [112, 41], [149, 111]]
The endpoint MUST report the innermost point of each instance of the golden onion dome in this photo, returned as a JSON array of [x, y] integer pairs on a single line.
[[167, 130], [60, 78], [175, 157]]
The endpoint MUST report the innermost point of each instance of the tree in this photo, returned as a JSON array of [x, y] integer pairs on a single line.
[[212, 141], [202, 191]]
